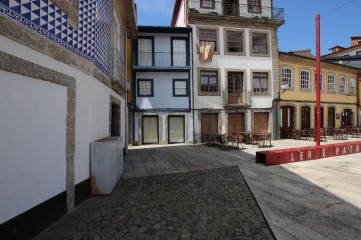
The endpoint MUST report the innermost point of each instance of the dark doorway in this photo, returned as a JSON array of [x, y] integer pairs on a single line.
[[321, 125], [287, 121], [346, 118], [115, 120], [331, 117], [305, 117]]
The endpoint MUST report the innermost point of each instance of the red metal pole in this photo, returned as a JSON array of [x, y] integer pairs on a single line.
[[318, 83]]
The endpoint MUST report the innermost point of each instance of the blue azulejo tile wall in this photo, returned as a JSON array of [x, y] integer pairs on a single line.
[[91, 40]]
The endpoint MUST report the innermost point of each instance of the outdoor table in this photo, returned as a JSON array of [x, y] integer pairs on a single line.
[[262, 139], [247, 136], [339, 134]]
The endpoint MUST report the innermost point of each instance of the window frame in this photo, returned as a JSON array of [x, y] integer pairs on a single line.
[[203, 93], [328, 83], [225, 34], [290, 79], [343, 85], [268, 92], [153, 53], [187, 87], [216, 47], [322, 82], [152, 87], [352, 93], [309, 80], [268, 45], [205, 7], [187, 51], [259, 5]]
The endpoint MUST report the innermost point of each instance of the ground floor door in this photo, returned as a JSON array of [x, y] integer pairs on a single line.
[[209, 123], [150, 131], [321, 112], [235, 123], [331, 119], [287, 122], [346, 118], [260, 121], [176, 127], [305, 117]]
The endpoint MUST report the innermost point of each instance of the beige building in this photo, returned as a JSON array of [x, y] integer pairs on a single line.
[[297, 102]]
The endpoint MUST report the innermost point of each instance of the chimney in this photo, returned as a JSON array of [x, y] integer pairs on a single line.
[[355, 40]]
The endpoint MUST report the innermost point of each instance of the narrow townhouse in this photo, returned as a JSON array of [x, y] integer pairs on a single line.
[[297, 100], [62, 86], [235, 63], [162, 86]]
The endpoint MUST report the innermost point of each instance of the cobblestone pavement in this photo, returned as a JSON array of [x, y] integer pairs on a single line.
[[205, 204]]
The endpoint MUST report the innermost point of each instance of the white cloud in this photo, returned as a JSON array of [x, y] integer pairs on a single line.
[[164, 7]]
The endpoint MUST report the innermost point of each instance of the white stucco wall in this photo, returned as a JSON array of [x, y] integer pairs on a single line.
[[92, 112], [32, 142], [180, 22], [163, 90], [222, 62]]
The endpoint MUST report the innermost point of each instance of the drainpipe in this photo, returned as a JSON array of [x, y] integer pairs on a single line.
[[191, 59]]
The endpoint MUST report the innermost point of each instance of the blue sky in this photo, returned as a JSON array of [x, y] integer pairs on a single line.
[[340, 19]]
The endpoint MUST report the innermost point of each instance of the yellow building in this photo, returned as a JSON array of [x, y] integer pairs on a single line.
[[297, 103]]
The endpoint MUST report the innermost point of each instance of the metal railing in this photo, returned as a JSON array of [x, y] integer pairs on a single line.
[[119, 68], [160, 59], [220, 8], [240, 99]]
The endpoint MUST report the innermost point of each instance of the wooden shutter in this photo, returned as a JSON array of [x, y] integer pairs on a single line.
[[235, 123], [209, 123]]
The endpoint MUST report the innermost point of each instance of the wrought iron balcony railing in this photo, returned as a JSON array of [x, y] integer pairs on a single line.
[[119, 68], [235, 9], [237, 99], [160, 59]]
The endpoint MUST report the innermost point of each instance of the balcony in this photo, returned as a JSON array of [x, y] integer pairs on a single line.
[[232, 9], [119, 70], [161, 61], [234, 99]]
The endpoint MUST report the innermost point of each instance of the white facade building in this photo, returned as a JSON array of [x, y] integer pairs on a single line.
[[162, 86], [234, 89], [62, 86]]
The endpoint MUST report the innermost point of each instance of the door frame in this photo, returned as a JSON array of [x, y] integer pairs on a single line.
[[150, 116], [184, 129]]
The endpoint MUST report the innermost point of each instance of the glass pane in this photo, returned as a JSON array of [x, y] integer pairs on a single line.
[[176, 129], [150, 130], [179, 53], [145, 52]]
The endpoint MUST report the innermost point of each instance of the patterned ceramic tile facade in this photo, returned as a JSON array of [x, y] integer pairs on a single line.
[[92, 39]]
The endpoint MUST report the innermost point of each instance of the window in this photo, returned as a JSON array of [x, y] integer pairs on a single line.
[[234, 42], [259, 43], [260, 82], [208, 35], [254, 6], [305, 80], [331, 83], [145, 88], [287, 76], [342, 85], [180, 87], [321, 82], [358, 53], [145, 51], [207, 4], [179, 52], [352, 86], [209, 81]]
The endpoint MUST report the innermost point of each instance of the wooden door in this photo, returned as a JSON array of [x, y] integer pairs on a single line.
[[287, 122], [331, 117], [209, 123], [235, 123], [260, 122], [321, 126], [235, 87], [305, 117], [346, 118]]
